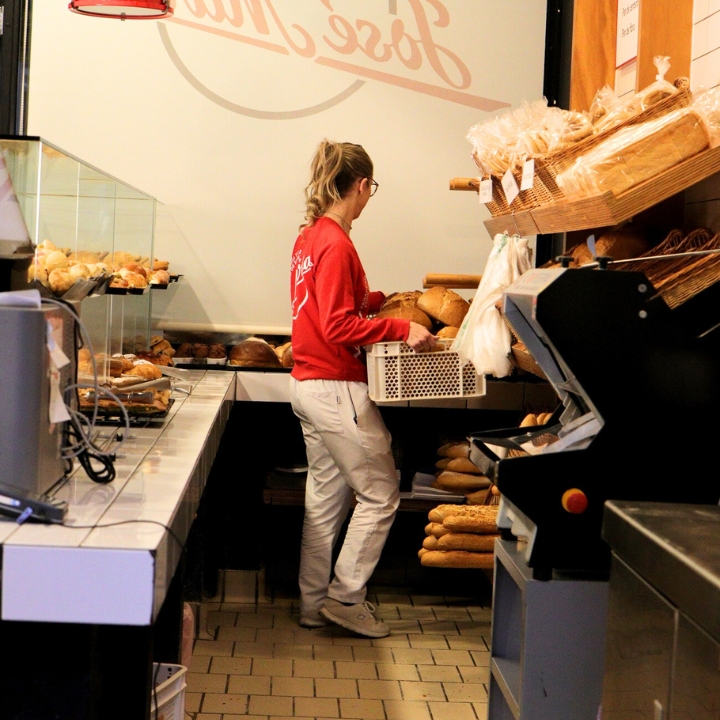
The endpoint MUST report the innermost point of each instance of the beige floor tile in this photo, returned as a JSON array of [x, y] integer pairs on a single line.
[[317, 707], [352, 641], [293, 686], [211, 716], [334, 652], [392, 641], [301, 652], [236, 634], [270, 705], [275, 636], [286, 622], [314, 669], [225, 716], [197, 682], [481, 659], [373, 654], [432, 642], [467, 642], [238, 607], [411, 625], [474, 674], [465, 692], [473, 628], [425, 691], [253, 650], [481, 710], [213, 647], [319, 636], [452, 711], [192, 701], [231, 665], [219, 619], [273, 666], [480, 614], [436, 600], [397, 672], [249, 684], [365, 709], [379, 689], [416, 613], [225, 703], [446, 627], [387, 612], [355, 670], [452, 657], [452, 614], [392, 599], [199, 663], [406, 710], [440, 673], [416, 656], [336, 688], [254, 621]]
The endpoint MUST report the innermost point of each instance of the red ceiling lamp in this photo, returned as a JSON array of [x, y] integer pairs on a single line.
[[124, 9]]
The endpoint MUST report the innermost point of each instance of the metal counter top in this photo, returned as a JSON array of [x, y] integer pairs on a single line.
[[675, 547]]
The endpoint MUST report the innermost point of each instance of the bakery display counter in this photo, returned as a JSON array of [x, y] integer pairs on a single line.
[[95, 587]]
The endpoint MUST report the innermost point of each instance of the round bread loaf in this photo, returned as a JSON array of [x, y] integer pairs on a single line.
[[444, 305], [457, 559], [406, 312], [622, 244], [460, 482], [407, 299], [448, 332], [462, 465], [253, 353]]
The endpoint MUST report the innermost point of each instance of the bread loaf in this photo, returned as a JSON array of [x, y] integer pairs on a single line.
[[463, 465], [478, 497], [287, 360], [407, 299], [444, 305], [253, 353], [455, 449], [406, 312], [459, 482], [622, 244], [457, 559], [447, 332], [472, 542]]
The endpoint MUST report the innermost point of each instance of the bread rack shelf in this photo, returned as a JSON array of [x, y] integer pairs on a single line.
[[606, 209]]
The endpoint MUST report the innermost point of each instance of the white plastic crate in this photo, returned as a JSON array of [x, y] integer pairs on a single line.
[[169, 693], [397, 372]]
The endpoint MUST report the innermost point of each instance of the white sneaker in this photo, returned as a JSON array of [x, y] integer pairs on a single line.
[[359, 618], [312, 622]]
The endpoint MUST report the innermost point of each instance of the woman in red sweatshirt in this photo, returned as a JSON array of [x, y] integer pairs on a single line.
[[347, 443]]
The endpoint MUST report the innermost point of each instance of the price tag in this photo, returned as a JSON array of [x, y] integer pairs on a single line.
[[528, 175], [486, 190], [510, 187]]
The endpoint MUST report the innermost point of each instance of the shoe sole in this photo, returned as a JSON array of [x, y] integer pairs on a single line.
[[313, 625], [349, 626]]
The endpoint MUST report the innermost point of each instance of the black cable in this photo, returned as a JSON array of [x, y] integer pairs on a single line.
[[86, 456], [173, 534]]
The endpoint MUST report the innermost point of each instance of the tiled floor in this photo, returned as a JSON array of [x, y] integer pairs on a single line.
[[260, 665]]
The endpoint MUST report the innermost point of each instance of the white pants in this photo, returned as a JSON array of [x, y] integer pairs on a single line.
[[348, 452]]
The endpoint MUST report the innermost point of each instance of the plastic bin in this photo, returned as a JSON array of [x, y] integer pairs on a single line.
[[168, 699], [397, 372]]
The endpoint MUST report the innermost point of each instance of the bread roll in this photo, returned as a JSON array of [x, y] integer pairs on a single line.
[[455, 449], [478, 497], [444, 305], [121, 258], [405, 312], [56, 260], [160, 265], [463, 465], [457, 559], [60, 281], [447, 332], [465, 541], [430, 543], [459, 482], [84, 256], [253, 353]]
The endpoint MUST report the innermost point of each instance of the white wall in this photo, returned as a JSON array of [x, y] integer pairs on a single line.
[[171, 107]]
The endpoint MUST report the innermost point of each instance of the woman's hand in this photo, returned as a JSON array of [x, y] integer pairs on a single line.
[[420, 338]]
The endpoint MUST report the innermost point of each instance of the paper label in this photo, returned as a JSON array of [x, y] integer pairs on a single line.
[[58, 412], [486, 191], [510, 187], [628, 31], [528, 175]]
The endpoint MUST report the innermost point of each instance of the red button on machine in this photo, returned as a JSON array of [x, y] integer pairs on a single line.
[[574, 501]]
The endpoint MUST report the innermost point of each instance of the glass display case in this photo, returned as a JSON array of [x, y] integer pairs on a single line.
[[99, 224]]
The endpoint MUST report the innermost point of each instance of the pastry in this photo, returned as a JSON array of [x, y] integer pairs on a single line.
[[146, 370]]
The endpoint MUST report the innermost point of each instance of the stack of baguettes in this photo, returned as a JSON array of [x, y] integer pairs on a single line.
[[460, 536], [456, 473]]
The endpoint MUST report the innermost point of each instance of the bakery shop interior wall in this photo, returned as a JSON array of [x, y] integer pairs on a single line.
[[218, 111]]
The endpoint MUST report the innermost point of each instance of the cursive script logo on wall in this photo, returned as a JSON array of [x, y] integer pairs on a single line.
[[395, 42]]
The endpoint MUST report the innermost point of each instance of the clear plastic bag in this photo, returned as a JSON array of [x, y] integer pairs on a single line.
[[484, 338]]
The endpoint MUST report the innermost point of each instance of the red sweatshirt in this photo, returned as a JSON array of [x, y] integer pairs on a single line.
[[330, 303]]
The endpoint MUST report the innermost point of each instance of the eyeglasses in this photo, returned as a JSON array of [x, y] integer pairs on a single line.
[[374, 186]]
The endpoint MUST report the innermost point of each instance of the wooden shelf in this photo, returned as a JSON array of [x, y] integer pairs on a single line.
[[607, 209]]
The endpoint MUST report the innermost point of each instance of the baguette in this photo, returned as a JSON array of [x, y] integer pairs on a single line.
[[478, 497], [436, 529], [457, 559], [464, 524], [442, 463], [455, 449], [465, 541], [456, 481], [430, 543], [439, 513], [461, 465]]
